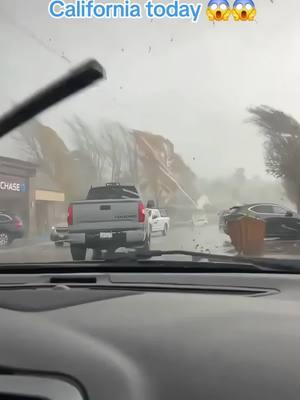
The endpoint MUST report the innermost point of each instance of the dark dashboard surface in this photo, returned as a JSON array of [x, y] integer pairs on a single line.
[[162, 345]]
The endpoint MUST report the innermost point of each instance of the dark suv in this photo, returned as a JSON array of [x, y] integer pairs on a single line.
[[11, 227], [281, 222]]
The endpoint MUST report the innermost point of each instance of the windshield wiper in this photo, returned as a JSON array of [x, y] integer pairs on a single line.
[[144, 255], [196, 256], [153, 261], [129, 265], [217, 260], [76, 80]]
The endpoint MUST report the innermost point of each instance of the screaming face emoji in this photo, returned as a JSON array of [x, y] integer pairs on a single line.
[[218, 10], [244, 10]]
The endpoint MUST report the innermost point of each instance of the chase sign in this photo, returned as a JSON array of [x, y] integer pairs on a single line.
[[12, 184]]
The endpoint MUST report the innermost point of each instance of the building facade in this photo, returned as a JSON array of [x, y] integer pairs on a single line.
[[15, 181], [29, 193], [48, 204]]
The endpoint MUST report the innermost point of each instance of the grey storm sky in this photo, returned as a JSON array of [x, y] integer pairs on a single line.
[[189, 82]]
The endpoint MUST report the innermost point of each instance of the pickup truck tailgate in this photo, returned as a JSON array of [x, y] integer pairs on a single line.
[[104, 215]]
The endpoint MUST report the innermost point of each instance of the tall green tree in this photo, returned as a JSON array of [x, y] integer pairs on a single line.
[[282, 147]]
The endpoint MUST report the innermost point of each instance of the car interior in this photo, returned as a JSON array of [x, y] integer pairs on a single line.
[[146, 326]]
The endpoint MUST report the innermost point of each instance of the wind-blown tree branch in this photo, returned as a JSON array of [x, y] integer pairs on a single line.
[[119, 146], [43, 146], [131, 155], [115, 156], [90, 155], [103, 151], [113, 153], [282, 147]]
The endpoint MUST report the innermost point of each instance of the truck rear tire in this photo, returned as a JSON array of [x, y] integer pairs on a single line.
[[147, 244], [78, 252]]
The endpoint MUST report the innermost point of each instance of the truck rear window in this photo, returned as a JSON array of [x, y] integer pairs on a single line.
[[112, 192]]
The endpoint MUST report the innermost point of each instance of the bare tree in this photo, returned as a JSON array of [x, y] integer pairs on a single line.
[[132, 160], [44, 146], [113, 153], [89, 150], [120, 151]]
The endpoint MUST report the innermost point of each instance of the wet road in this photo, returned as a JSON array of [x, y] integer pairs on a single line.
[[207, 238]]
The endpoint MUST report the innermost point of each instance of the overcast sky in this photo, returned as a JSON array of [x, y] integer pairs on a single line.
[[189, 82]]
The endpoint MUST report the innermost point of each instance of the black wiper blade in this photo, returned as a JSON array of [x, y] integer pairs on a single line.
[[128, 265], [195, 255], [236, 262], [76, 80], [153, 262]]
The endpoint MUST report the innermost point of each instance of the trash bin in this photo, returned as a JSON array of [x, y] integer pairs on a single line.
[[247, 235], [234, 229]]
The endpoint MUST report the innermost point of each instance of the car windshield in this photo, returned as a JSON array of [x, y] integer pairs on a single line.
[[195, 124]]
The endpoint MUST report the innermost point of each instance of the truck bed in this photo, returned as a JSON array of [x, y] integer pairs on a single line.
[[105, 215], [112, 216]]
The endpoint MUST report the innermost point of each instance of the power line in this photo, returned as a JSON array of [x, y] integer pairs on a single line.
[[31, 35]]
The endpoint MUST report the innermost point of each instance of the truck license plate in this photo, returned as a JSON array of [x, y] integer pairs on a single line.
[[105, 235]]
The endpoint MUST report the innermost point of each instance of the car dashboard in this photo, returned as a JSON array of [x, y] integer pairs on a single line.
[[150, 336]]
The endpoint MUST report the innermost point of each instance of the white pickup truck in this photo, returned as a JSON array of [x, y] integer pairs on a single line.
[[159, 221]]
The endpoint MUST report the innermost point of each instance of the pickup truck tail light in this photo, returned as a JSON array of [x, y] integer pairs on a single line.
[[141, 212], [70, 215]]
